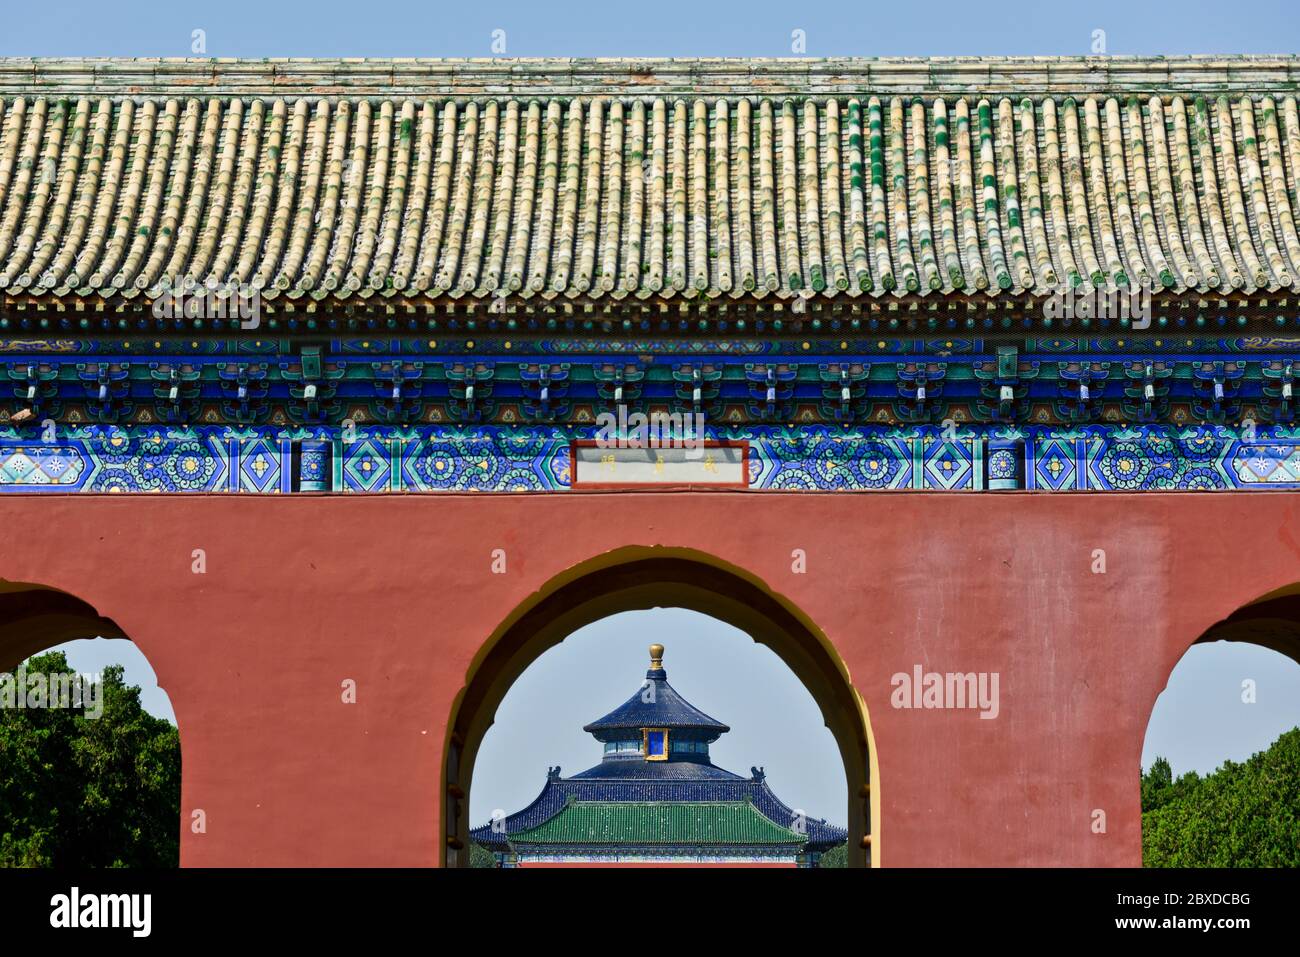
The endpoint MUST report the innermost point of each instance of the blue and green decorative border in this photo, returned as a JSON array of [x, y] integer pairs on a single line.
[[382, 459]]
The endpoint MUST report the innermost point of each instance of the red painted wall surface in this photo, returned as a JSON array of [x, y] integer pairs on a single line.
[[397, 593]]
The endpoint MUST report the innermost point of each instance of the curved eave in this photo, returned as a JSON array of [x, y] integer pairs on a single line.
[[668, 709], [792, 307], [821, 835], [649, 771], [685, 724], [558, 791], [547, 803], [1260, 312]]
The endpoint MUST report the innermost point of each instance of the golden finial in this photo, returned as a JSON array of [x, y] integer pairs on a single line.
[[656, 657]]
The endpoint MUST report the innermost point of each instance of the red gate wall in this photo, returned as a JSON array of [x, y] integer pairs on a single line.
[[398, 593]]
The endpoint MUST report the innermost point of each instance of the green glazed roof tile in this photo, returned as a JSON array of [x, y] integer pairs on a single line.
[[659, 824]]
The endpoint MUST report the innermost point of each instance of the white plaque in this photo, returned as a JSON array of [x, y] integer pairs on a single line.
[[595, 466]]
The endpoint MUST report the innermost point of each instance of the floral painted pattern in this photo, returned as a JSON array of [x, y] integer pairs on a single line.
[[260, 460]]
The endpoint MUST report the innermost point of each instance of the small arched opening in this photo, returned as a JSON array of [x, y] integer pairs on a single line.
[[1222, 745], [93, 779]]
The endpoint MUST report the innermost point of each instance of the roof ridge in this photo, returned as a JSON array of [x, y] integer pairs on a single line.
[[606, 61], [471, 76], [675, 801]]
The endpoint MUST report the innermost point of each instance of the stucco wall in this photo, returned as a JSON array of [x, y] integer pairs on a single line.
[[398, 594]]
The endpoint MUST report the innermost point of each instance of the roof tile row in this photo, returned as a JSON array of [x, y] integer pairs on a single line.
[[669, 823], [651, 197]]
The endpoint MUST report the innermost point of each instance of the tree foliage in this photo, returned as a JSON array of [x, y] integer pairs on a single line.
[[837, 856], [1243, 815], [480, 856], [78, 791]]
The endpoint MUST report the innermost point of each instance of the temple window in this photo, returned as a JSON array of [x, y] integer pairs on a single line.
[[656, 744]]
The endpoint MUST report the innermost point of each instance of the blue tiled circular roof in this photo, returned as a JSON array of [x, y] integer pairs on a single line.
[[656, 771], [656, 705]]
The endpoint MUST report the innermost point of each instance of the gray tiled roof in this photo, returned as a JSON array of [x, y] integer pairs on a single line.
[[424, 181]]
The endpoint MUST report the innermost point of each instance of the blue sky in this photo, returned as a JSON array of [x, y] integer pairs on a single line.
[[662, 28]]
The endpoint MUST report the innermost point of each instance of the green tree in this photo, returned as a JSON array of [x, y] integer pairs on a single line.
[[837, 856], [1243, 815], [1156, 784], [480, 856], [80, 791]]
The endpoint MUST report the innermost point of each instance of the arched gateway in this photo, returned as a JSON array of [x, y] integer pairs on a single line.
[[967, 385], [635, 578], [656, 797]]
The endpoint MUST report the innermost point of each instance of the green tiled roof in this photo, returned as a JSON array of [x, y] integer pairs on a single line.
[[518, 183], [659, 823]]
